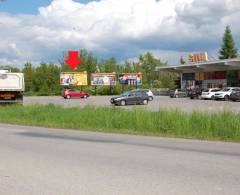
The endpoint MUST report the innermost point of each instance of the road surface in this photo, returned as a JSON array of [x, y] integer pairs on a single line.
[[50, 161], [159, 102]]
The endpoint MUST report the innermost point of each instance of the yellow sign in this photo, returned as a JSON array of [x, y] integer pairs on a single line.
[[198, 57], [73, 78]]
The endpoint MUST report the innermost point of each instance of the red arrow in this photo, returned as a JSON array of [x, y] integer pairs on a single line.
[[73, 61]]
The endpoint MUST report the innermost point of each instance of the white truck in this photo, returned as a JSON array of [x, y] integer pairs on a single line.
[[11, 87]]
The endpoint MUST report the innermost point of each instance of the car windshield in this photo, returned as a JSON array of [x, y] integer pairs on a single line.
[[227, 89], [237, 89], [125, 94], [206, 90]]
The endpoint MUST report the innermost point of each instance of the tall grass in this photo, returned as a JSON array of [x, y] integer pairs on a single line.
[[175, 123]]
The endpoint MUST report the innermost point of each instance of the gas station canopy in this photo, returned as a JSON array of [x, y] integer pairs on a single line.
[[207, 66]]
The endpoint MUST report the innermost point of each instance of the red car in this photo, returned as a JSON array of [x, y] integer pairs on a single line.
[[74, 93]]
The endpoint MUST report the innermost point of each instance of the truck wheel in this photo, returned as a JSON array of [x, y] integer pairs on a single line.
[[123, 103]]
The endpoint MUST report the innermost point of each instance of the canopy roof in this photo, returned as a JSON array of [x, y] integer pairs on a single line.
[[216, 65]]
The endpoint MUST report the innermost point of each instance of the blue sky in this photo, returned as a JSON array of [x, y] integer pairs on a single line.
[[42, 30], [26, 6], [22, 6]]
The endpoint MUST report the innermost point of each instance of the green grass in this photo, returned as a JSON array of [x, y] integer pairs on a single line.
[[175, 123]]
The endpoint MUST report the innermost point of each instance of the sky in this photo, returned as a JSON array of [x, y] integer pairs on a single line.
[[42, 30]]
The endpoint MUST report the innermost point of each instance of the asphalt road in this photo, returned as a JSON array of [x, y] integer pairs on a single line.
[[159, 102], [47, 162]]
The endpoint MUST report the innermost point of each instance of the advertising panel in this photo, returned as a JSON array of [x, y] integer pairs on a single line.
[[73, 78], [103, 79], [133, 79]]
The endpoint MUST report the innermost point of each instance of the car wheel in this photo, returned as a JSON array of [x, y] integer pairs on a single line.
[[85, 97], [150, 98], [145, 102], [68, 96], [226, 97], [123, 103], [212, 98]]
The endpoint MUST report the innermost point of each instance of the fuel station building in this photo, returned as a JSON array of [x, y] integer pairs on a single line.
[[207, 74]]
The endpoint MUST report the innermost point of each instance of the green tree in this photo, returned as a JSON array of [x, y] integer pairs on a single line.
[[167, 80], [46, 79], [108, 65], [128, 67], [149, 63], [228, 49], [28, 76]]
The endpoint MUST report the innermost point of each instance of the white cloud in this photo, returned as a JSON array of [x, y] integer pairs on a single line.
[[120, 28]]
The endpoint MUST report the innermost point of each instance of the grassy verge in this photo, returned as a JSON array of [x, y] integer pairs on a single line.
[[214, 126]]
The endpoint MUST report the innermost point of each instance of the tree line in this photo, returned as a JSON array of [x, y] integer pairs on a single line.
[[45, 78]]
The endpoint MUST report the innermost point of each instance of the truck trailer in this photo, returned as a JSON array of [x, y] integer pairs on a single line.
[[11, 87]]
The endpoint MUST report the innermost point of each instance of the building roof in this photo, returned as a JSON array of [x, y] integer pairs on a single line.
[[216, 65]]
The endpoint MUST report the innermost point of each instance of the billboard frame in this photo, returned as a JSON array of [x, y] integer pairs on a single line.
[[74, 78], [112, 79]]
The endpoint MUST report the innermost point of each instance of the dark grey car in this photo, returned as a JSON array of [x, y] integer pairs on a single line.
[[131, 97]]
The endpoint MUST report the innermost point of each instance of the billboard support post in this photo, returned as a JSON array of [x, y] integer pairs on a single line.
[[95, 89], [110, 87]]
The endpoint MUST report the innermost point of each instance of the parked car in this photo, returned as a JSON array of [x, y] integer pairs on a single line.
[[74, 93], [177, 93], [131, 97], [224, 94], [194, 93], [235, 95], [148, 91], [209, 93]]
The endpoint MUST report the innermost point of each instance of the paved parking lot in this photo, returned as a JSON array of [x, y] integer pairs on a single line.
[[159, 102]]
